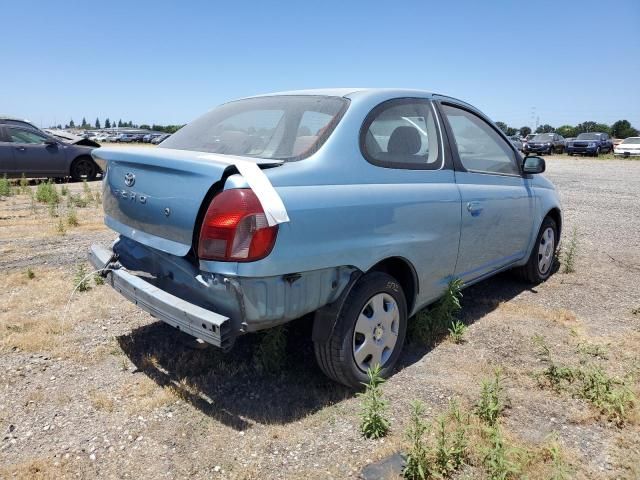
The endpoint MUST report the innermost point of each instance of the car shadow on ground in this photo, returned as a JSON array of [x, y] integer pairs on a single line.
[[477, 301], [229, 386]]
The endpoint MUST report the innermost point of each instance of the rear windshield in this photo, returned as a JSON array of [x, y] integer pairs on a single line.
[[631, 140], [283, 127], [589, 136]]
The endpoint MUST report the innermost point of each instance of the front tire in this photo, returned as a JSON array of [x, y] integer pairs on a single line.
[[541, 261], [370, 329], [83, 168]]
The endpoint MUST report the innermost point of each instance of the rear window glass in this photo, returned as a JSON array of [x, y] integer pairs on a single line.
[[283, 127]]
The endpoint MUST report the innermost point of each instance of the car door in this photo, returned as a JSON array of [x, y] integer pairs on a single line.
[[496, 200], [6, 154], [33, 156], [413, 188]]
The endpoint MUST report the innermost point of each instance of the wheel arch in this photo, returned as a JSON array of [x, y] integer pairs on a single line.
[[556, 215], [402, 270]]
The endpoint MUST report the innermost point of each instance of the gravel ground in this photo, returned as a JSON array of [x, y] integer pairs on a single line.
[[106, 391]]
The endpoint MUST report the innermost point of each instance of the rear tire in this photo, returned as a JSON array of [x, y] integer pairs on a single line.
[[83, 168], [541, 261], [370, 328]]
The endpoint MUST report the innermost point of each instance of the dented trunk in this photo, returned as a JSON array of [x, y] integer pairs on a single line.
[[154, 195]]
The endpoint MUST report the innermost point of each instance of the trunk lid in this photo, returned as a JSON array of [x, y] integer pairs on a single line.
[[153, 195]]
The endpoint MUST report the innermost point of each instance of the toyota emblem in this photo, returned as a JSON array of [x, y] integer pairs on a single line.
[[129, 179]]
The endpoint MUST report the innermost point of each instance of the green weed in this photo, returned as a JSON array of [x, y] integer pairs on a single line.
[[570, 252], [500, 460], [457, 331], [24, 184], [76, 201], [560, 470], [64, 190], [593, 350], [373, 423], [81, 279], [5, 187], [98, 279], [30, 274], [60, 227], [417, 463], [451, 441], [72, 217], [491, 401], [46, 192], [271, 354], [610, 395], [431, 323]]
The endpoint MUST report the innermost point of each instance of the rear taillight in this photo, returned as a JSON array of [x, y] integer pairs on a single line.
[[235, 228]]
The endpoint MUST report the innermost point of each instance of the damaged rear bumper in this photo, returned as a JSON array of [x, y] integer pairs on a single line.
[[214, 307], [209, 326]]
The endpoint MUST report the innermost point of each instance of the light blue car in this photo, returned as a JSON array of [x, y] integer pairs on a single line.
[[357, 204]]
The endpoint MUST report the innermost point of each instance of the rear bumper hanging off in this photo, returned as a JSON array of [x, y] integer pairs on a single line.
[[209, 326]]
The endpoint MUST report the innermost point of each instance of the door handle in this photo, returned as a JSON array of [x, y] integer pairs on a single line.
[[474, 208], [21, 149]]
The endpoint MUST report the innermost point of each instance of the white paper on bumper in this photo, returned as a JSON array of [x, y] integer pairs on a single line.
[[271, 202]]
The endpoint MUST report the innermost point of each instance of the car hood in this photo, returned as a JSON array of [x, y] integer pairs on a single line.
[[72, 139]]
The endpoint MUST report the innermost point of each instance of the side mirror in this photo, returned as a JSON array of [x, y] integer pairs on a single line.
[[50, 141], [533, 165]]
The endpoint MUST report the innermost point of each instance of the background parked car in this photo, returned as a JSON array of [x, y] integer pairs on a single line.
[[591, 143], [526, 139], [160, 139], [629, 147], [515, 139], [547, 143], [125, 138], [34, 153]]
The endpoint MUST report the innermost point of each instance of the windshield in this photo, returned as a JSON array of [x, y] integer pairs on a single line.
[[543, 137], [589, 136], [284, 127], [635, 140]]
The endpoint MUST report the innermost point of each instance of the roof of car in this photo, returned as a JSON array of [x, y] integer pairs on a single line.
[[348, 92]]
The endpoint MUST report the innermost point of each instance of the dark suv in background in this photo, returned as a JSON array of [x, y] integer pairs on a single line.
[[545, 143], [592, 143]]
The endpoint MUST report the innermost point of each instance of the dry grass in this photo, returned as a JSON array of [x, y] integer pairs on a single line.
[[526, 310], [42, 469], [101, 401], [145, 395]]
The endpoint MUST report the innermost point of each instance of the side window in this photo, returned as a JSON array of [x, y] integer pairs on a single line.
[[479, 146], [17, 135], [401, 134]]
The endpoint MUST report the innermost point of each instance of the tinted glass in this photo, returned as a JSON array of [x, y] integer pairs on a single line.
[[543, 137], [589, 136], [634, 140], [402, 134], [17, 135], [285, 127], [480, 147]]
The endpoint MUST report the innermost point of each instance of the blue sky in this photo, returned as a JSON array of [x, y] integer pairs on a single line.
[[168, 62]]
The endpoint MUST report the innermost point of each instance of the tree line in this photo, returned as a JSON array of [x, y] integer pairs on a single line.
[[619, 129], [119, 124]]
